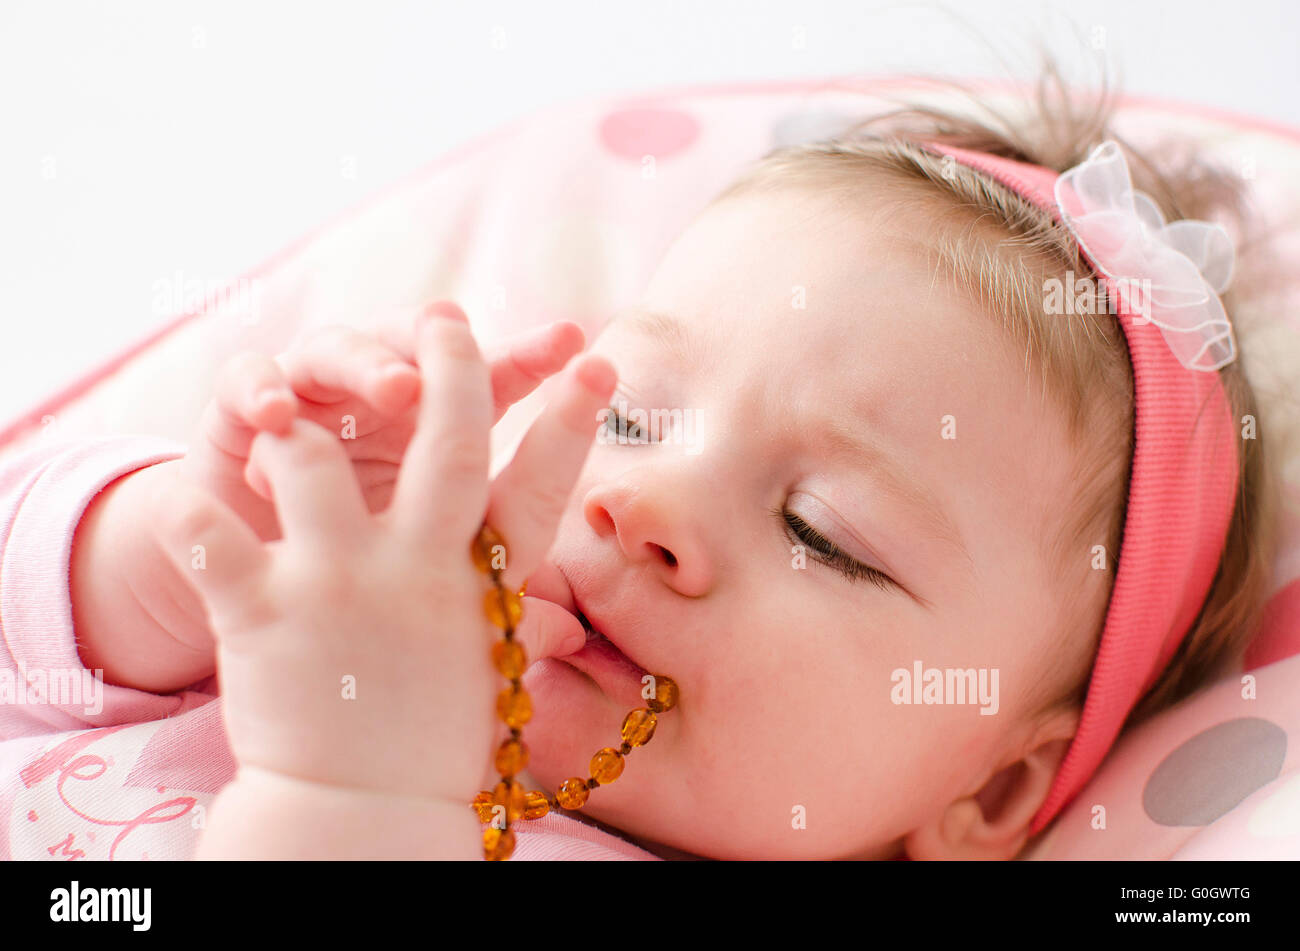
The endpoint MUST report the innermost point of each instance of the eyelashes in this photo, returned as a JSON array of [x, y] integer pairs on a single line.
[[829, 554], [793, 526], [621, 426]]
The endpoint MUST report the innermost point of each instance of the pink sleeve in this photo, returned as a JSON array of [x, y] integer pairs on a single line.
[[44, 687]]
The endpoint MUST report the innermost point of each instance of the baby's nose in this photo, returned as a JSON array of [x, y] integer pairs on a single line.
[[652, 529]]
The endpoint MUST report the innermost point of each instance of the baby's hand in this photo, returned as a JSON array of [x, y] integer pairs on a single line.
[[136, 617], [355, 652], [362, 386]]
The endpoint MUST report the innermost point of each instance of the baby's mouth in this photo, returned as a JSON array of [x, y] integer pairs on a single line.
[[592, 633], [600, 657], [596, 637]]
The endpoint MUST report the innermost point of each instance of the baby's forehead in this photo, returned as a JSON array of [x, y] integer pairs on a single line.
[[849, 320], [767, 245]]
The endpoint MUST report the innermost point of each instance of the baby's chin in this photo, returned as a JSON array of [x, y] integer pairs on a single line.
[[572, 719]]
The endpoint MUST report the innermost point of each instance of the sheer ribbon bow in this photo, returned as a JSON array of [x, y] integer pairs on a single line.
[[1169, 273]]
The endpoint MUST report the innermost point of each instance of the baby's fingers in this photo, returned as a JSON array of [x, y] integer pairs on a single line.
[[339, 362], [530, 494], [520, 366], [547, 630], [211, 546], [517, 365], [251, 394], [315, 490], [442, 486]]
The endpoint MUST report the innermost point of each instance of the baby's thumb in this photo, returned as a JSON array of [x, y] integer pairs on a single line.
[[210, 546], [547, 630]]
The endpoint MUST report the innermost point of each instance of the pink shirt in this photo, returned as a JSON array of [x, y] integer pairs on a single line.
[[95, 771]]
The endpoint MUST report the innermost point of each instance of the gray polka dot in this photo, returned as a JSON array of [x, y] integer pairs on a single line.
[[1207, 776]]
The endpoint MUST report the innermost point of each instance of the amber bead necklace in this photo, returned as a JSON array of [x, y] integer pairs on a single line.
[[508, 801]]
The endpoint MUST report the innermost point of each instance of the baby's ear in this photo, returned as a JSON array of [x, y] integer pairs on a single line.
[[993, 821]]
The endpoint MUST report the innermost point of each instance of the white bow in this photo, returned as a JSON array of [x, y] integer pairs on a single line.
[[1178, 269]]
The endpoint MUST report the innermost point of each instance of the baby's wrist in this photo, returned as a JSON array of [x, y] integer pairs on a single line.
[[186, 620], [158, 644], [264, 814]]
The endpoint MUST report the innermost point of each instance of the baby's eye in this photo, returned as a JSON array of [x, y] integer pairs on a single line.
[[627, 431], [829, 554]]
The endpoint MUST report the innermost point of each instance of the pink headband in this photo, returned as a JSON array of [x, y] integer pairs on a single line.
[[1184, 471]]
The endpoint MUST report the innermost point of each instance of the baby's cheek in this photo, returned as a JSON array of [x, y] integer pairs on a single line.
[[878, 765], [806, 789], [794, 728]]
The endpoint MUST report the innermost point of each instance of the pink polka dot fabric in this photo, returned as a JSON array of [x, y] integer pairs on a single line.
[[636, 133], [564, 215]]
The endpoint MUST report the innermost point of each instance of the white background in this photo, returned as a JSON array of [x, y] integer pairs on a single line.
[[144, 139]]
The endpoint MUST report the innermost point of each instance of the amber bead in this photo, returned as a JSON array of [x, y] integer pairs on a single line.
[[665, 694], [535, 804], [638, 727], [509, 658], [572, 794], [514, 706], [512, 757], [482, 805], [498, 844], [607, 765], [503, 607], [484, 548], [510, 794]]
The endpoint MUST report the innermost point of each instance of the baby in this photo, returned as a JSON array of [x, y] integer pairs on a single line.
[[878, 562]]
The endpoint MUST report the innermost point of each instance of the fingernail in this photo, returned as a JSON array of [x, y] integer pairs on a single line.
[[572, 644], [446, 309], [568, 327], [396, 370], [269, 397]]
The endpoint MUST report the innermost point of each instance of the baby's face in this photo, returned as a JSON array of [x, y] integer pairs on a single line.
[[833, 377]]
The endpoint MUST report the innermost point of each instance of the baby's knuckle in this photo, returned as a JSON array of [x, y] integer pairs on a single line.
[[455, 340], [461, 461], [469, 402], [189, 519], [319, 580], [548, 498], [314, 445], [337, 334]]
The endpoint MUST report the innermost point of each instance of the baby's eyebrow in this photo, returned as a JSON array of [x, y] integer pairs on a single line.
[[672, 331]]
